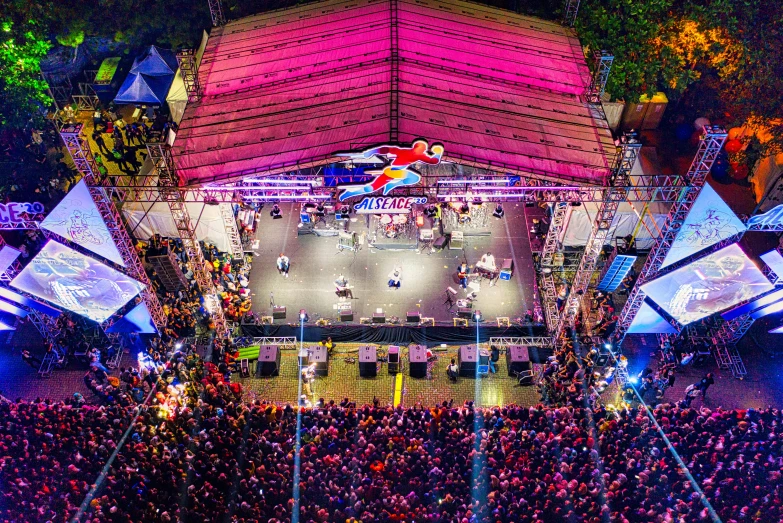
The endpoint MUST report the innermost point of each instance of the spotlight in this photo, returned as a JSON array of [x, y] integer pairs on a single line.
[[633, 380], [607, 345], [302, 314], [178, 346], [477, 315]]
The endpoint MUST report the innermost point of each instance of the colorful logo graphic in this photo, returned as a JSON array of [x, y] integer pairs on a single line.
[[388, 205], [397, 172]]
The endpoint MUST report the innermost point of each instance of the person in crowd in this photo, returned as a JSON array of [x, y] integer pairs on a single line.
[[30, 359], [494, 357], [452, 371], [705, 384]]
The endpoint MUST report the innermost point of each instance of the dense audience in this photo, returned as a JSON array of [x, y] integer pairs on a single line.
[[216, 458]]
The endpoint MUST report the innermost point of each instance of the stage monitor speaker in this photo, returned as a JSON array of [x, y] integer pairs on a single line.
[[394, 359], [346, 315], [268, 363], [466, 359], [417, 358], [278, 313], [320, 356], [368, 360], [465, 312], [378, 317], [441, 242], [413, 317], [517, 359]]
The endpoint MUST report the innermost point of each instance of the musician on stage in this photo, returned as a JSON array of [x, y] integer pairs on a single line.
[[308, 376], [395, 278], [487, 266], [462, 274], [343, 288]]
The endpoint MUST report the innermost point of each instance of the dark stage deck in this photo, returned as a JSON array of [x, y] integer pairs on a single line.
[[316, 263]]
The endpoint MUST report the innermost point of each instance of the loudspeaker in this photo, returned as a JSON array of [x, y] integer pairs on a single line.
[[378, 317], [417, 358], [517, 359], [320, 356], [413, 317], [465, 312], [346, 315], [441, 242], [368, 359], [466, 359], [244, 368], [394, 359], [268, 363], [278, 313]]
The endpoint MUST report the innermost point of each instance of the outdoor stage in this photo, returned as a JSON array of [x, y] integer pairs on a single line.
[[316, 264]]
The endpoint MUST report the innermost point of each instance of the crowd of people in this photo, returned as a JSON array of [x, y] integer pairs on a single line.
[[209, 457]]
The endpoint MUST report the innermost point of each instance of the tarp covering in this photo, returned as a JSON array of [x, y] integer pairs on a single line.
[[287, 89], [177, 99], [149, 79]]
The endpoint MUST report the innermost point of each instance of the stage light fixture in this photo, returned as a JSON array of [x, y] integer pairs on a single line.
[[477, 315], [178, 346], [633, 380], [302, 314], [419, 221], [608, 346]]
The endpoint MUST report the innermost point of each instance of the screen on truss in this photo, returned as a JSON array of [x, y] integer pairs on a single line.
[[708, 285], [709, 221], [76, 282]]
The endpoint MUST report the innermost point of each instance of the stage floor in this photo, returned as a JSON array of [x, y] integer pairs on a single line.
[[316, 263]]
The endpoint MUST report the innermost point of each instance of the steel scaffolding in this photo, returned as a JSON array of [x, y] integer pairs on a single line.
[[187, 66], [394, 106], [160, 154], [613, 197], [571, 10], [230, 224], [551, 246], [602, 65], [216, 10], [82, 157], [710, 145]]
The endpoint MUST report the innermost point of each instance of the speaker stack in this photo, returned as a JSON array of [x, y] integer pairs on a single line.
[[413, 317], [320, 356], [278, 313], [417, 358], [378, 317], [268, 363], [517, 359], [346, 315], [368, 361], [467, 361], [394, 359]]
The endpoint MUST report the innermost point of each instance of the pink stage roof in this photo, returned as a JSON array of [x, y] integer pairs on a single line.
[[289, 88]]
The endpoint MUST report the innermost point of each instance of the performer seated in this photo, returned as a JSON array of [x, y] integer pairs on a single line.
[[283, 264], [343, 288], [395, 278], [275, 212]]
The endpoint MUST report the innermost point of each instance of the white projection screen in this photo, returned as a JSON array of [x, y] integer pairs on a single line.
[[708, 285]]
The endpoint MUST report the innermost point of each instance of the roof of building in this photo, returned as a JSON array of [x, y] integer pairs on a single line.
[[287, 89]]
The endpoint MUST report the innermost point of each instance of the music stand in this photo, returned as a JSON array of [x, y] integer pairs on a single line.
[[450, 293]]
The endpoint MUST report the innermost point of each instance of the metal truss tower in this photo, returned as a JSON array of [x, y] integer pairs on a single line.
[[551, 246], [394, 106], [613, 197], [216, 10], [602, 66], [230, 224], [83, 159], [709, 146], [571, 10], [187, 66], [160, 154]]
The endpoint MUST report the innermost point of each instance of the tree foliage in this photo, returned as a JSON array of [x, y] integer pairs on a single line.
[[23, 92]]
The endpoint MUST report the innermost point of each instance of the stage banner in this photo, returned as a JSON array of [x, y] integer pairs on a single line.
[[76, 218], [709, 221], [388, 204]]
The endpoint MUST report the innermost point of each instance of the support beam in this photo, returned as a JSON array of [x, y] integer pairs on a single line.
[[187, 66], [160, 154], [551, 246], [230, 224], [602, 65], [710, 145], [394, 106], [571, 10], [613, 196], [216, 10], [81, 154]]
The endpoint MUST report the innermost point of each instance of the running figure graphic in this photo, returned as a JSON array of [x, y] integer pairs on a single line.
[[397, 172]]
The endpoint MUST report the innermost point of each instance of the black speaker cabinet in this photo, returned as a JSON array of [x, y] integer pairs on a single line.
[[417, 357], [320, 356], [517, 359], [394, 359], [268, 363], [413, 317], [466, 359], [278, 313], [378, 317], [465, 312], [346, 315], [602, 360], [368, 359], [441, 242]]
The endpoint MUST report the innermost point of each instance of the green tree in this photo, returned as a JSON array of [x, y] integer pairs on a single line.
[[23, 92]]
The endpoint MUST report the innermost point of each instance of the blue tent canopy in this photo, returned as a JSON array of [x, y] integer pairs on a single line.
[[149, 79]]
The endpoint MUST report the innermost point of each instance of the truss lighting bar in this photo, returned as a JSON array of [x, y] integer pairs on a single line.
[[286, 197], [282, 181]]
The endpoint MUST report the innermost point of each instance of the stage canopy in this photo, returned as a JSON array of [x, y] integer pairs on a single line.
[[287, 89], [149, 79]]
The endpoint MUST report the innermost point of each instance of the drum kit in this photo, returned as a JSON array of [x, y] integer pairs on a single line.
[[393, 225]]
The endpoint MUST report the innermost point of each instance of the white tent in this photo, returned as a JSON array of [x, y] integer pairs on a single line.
[[177, 97], [146, 219]]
